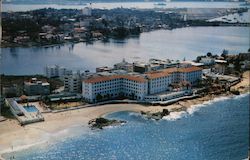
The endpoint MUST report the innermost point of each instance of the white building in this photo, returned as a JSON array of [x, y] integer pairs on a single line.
[[55, 71], [220, 66], [207, 60], [72, 82], [105, 87], [159, 81], [124, 65], [87, 11], [137, 86], [35, 87]]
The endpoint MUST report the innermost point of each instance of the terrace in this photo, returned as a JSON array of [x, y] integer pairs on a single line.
[[24, 111]]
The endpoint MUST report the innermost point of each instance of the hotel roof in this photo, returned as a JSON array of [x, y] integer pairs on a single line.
[[97, 79], [190, 69], [169, 71], [141, 79], [160, 73]]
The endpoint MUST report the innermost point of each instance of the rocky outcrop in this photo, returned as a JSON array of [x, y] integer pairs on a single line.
[[157, 115], [235, 92], [99, 123]]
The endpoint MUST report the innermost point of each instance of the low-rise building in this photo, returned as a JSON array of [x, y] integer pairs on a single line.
[[10, 91], [220, 66], [35, 87], [154, 65], [207, 60], [141, 67], [124, 65], [103, 69], [245, 65]]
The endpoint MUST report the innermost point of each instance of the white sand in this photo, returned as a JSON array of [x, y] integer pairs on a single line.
[[12, 135]]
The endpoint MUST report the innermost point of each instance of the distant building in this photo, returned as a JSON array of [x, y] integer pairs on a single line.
[[55, 71], [141, 67], [153, 65], [220, 66], [124, 66], [103, 69], [10, 91], [87, 11], [245, 65], [190, 63], [72, 82], [156, 64], [207, 61], [85, 23], [245, 56], [35, 87]]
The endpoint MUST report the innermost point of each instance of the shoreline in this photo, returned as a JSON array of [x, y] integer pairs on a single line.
[[14, 137], [40, 133], [61, 44]]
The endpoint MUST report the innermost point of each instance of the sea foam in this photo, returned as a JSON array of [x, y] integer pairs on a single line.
[[194, 108]]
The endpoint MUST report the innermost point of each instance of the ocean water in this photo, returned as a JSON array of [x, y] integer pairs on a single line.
[[216, 130], [188, 42]]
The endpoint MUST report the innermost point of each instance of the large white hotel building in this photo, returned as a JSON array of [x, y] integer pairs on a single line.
[[137, 86]]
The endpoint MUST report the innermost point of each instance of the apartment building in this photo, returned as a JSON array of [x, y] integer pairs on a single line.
[[72, 82], [55, 71]]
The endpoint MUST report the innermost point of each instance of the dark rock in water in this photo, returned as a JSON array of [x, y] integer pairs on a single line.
[[143, 113], [99, 123], [235, 92], [179, 109], [157, 115], [165, 112]]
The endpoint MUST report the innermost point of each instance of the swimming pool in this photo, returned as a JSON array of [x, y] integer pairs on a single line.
[[30, 108]]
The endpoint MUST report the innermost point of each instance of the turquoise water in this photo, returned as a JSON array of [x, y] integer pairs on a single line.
[[217, 130], [30, 108]]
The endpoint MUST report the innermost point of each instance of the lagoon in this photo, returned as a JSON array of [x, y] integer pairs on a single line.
[[180, 43]]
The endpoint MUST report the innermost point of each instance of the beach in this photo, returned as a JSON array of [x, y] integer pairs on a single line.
[[15, 137]]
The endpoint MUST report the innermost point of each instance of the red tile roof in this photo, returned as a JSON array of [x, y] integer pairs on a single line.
[[169, 71], [140, 79], [190, 69]]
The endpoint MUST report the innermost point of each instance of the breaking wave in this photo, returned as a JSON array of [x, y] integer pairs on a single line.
[[194, 108]]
